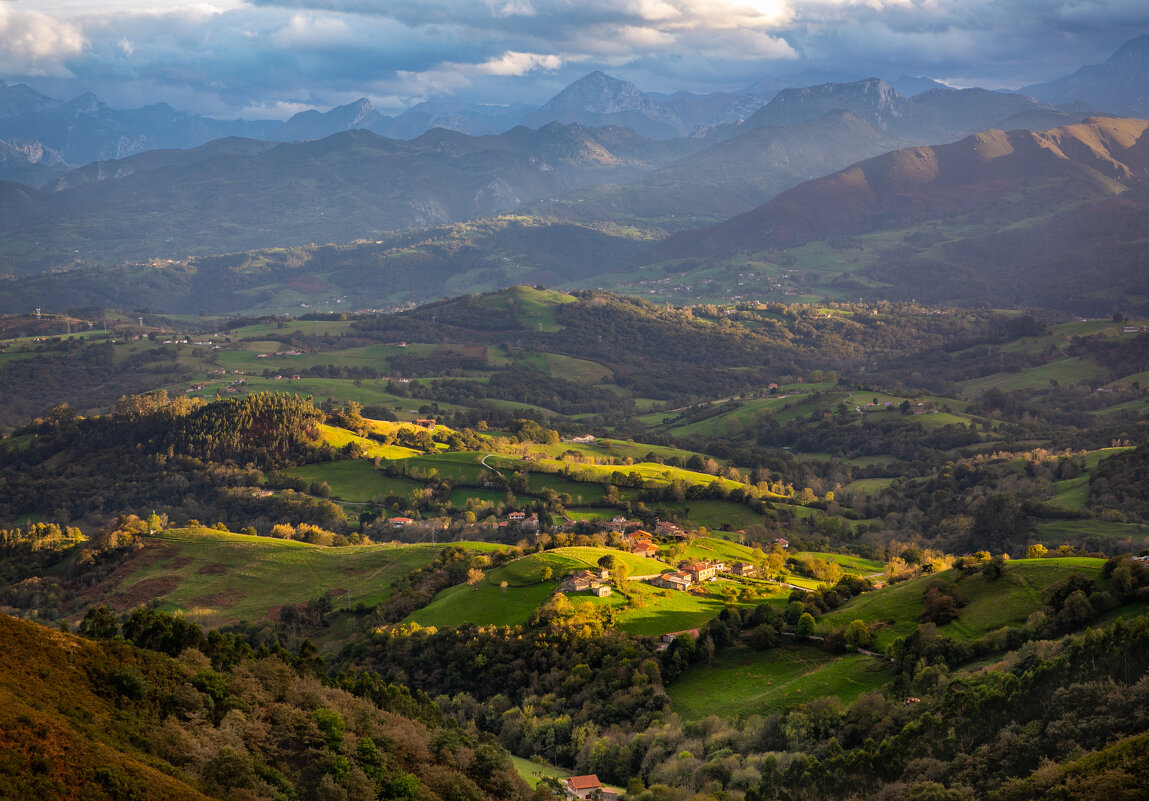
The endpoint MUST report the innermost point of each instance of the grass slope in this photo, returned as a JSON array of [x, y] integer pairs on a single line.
[[1008, 601], [743, 682], [218, 578]]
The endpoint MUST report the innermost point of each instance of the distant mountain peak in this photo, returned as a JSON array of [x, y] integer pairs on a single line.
[[1135, 48], [312, 124], [1120, 84], [598, 99], [600, 93]]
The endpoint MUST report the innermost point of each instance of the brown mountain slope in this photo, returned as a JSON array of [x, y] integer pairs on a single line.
[[1002, 176], [57, 738]]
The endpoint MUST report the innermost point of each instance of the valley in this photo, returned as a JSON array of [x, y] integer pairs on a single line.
[[780, 443]]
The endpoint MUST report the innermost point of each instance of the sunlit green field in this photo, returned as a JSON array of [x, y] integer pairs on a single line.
[[743, 682], [218, 577]]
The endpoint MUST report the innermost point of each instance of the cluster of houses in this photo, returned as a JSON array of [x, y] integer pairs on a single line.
[[689, 574], [593, 580], [521, 519], [692, 573]]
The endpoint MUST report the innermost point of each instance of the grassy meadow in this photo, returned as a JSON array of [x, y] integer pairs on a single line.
[[741, 682], [216, 577]]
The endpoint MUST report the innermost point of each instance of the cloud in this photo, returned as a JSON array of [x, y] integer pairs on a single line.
[[511, 63], [35, 44], [243, 56], [510, 8], [745, 45], [450, 77]]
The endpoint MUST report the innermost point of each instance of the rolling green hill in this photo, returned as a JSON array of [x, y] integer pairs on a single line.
[[216, 577], [742, 682], [1007, 601]]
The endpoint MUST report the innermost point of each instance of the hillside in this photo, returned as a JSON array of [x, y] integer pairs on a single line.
[[105, 720], [1073, 189], [391, 271], [1117, 85], [217, 578]]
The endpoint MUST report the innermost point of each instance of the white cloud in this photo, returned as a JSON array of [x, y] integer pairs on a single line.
[[272, 56], [34, 44], [307, 31], [277, 110], [743, 44], [511, 63], [644, 37], [450, 77], [510, 8]]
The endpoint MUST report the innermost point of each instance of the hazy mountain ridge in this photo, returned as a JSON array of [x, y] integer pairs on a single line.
[[933, 115], [1120, 84], [1096, 159], [1056, 179], [84, 129], [237, 194], [800, 135]]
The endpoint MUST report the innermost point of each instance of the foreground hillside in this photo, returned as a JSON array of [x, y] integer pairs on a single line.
[[105, 720]]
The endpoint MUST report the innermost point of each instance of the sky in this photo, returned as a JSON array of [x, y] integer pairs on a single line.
[[271, 58]]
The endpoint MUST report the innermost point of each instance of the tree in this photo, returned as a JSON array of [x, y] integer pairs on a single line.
[[100, 624], [794, 611], [858, 634], [621, 573], [1036, 551], [474, 576], [805, 625]]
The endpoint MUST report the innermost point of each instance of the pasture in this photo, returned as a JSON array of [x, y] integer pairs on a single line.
[[216, 577], [742, 682]]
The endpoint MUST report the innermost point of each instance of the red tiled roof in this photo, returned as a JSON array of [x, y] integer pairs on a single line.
[[584, 782]]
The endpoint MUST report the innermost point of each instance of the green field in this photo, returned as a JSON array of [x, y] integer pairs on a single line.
[[725, 515], [743, 682], [648, 610], [534, 308], [218, 578], [1053, 533], [486, 604], [1008, 601], [534, 772], [639, 565], [853, 564], [655, 611], [354, 480], [869, 486], [1070, 370], [462, 467]]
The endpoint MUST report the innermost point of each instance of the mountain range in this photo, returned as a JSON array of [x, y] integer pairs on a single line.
[[613, 176], [55, 135], [1119, 84], [237, 194], [1054, 218]]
